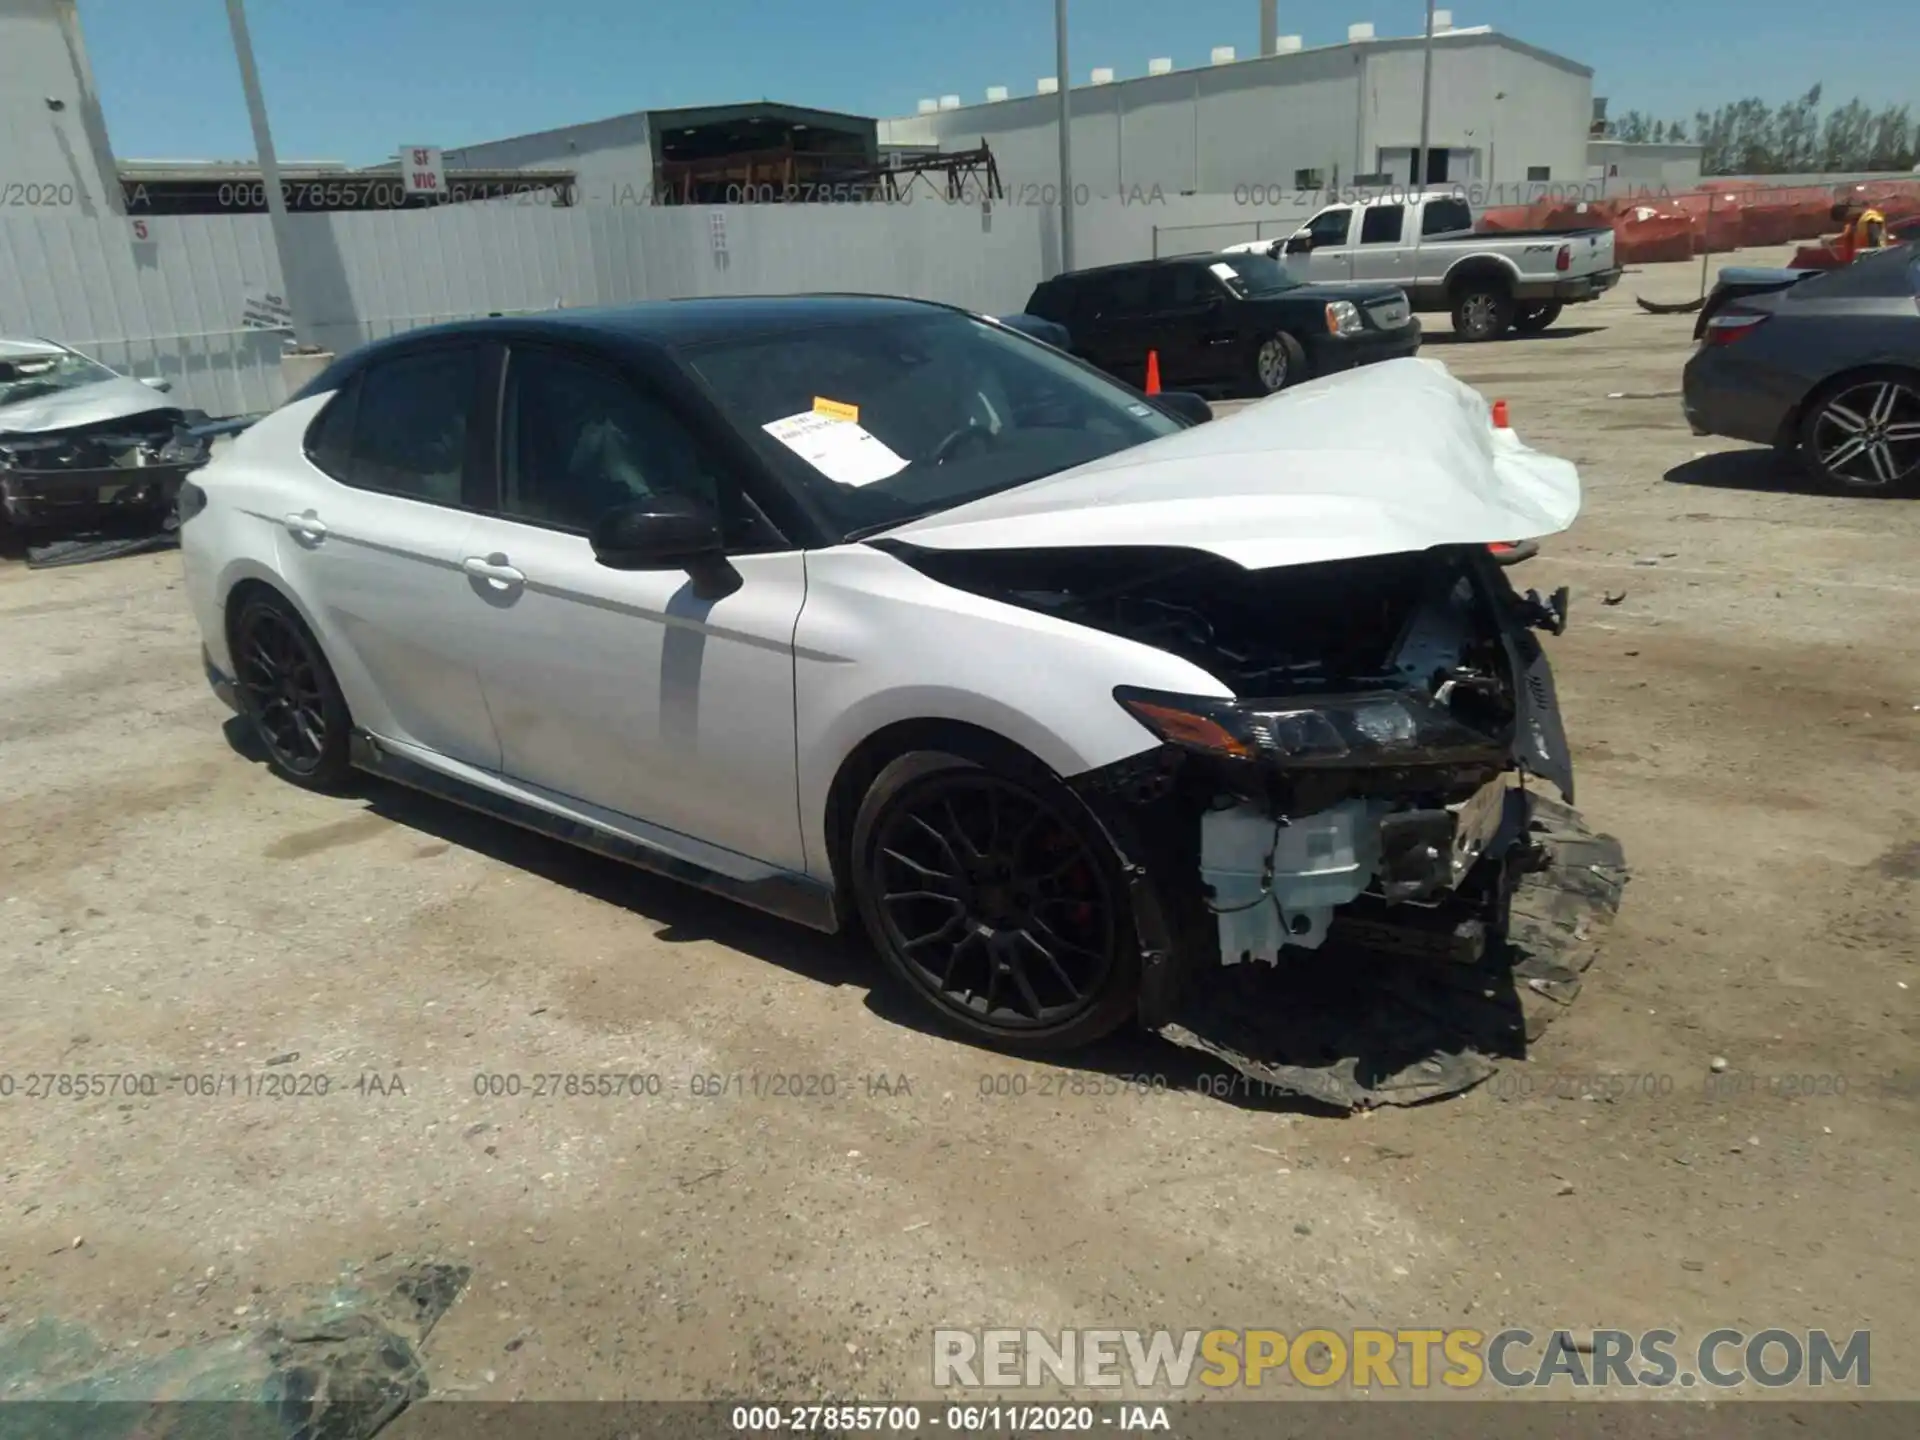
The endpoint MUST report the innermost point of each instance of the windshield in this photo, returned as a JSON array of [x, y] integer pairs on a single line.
[[1254, 275], [900, 417], [29, 377]]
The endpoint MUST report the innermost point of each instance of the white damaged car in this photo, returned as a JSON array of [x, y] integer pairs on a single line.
[[1087, 708]]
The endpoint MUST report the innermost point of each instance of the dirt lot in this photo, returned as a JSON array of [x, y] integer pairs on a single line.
[[1745, 719]]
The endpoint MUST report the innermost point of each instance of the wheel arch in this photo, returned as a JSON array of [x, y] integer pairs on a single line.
[[863, 764], [245, 577], [1796, 414], [1480, 269]]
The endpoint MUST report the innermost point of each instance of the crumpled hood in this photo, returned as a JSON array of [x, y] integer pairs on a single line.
[[114, 399], [1393, 457]]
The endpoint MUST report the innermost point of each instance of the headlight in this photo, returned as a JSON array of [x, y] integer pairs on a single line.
[[1385, 727], [1343, 318]]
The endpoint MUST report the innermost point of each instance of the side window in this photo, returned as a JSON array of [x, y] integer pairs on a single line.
[[578, 440], [1330, 227], [330, 437], [410, 425], [1445, 217], [1177, 287], [1381, 224], [1127, 294], [1086, 301]]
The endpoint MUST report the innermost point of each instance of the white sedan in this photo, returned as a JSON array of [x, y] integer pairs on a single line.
[[872, 612]]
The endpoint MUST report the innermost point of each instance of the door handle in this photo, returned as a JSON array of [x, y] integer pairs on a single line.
[[497, 571], [309, 526]]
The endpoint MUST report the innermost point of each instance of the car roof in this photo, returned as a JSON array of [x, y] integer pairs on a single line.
[[648, 325], [674, 323], [1164, 261]]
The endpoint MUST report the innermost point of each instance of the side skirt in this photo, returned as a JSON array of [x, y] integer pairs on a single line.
[[798, 898]]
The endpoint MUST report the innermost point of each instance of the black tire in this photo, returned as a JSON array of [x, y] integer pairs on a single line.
[[1869, 408], [1532, 319], [1481, 313], [993, 895], [1277, 361], [288, 694]]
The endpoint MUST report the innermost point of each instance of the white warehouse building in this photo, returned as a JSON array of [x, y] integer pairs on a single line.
[[1508, 119]]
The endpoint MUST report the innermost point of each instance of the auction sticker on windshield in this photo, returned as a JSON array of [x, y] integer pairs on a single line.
[[842, 450], [1224, 270]]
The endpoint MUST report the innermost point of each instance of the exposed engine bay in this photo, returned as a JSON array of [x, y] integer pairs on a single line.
[[1365, 792], [77, 478]]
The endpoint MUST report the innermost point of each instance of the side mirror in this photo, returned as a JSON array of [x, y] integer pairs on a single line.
[[1185, 405], [666, 532], [154, 382], [1299, 244]]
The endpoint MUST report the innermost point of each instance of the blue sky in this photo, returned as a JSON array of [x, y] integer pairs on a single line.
[[354, 79]]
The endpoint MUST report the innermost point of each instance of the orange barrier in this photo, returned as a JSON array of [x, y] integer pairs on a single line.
[[1717, 222], [1504, 217], [1569, 214], [1652, 232]]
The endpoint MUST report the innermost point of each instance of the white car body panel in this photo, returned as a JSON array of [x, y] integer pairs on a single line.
[[713, 730], [626, 689], [879, 643], [1393, 457]]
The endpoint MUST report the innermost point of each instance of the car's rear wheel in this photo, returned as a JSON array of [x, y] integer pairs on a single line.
[[288, 694], [1532, 319], [992, 893], [1279, 361], [1482, 314], [1862, 435]]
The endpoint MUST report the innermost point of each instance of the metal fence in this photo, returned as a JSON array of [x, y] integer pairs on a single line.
[[200, 300]]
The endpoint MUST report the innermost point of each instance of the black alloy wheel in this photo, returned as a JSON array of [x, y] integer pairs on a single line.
[[998, 900], [1864, 435], [288, 693]]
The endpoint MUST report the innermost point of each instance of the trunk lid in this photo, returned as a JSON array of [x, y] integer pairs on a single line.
[[1394, 457]]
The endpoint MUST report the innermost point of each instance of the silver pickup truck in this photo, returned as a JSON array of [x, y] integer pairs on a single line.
[[1425, 244]]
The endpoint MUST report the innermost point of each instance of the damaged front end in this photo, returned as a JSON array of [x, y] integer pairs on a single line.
[[110, 474], [1344, 884]]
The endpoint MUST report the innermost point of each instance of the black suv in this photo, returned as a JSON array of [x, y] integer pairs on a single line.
[[1236, 322]]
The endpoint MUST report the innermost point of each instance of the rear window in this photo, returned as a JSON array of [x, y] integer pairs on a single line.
[[1443, 217]]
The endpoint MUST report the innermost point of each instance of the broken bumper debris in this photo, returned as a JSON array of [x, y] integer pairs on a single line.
[[1359, 893]]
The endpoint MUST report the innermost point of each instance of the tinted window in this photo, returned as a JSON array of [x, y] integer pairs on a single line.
[[1053, 300], [1330, 227], [1443, 217], [330, 438], [1127, 293], [1253, 274], [410, 425], [1178, 287], [578, 440], [937, 409], [1381, 224]]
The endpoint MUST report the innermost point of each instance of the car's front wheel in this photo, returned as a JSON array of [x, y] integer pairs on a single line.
[[288, 694], [1862, 435], [1278, 361], [992, 893]]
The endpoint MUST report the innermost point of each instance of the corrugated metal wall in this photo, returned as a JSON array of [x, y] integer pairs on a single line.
[[166, 296]]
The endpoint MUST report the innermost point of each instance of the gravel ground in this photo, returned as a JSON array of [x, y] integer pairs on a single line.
[[1744, 719]]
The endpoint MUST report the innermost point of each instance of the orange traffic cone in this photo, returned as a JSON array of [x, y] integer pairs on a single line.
[[1500, 420], [1153, 372]]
